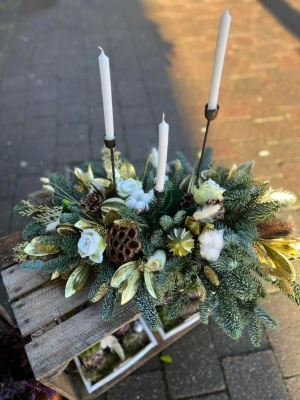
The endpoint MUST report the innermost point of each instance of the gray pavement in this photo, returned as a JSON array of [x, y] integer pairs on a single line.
[[161, 54]]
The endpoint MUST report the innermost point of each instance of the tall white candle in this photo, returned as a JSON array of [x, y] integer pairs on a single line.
[[106, 95], [219, 60], [162, 154]]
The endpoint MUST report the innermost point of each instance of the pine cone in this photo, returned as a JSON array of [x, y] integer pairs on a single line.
[[123, 243], [220, 214], [91, 203], [187, 201]]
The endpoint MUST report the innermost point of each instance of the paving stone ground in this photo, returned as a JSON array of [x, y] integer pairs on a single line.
[[161, 54]]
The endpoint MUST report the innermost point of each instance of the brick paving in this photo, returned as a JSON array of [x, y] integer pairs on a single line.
[[161, 54]]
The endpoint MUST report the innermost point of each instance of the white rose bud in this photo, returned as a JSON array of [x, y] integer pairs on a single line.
[[156, 262], [127, 186], [91, 245]]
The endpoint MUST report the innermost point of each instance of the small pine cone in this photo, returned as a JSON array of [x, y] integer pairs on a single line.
[[91, 203], [123, 243], [186, 201], [220, 214]]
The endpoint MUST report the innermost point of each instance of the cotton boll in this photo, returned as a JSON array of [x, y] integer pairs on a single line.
[[131, 202], [209, 253], [211, 244]]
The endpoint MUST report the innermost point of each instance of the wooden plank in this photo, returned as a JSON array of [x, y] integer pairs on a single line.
[[63, 385], [162, 344], [60, 345], [39, 308], [19, 282], [7, 244]]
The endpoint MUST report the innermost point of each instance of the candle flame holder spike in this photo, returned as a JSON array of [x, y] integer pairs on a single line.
[[159, 197], [210, 115], [111, 144]]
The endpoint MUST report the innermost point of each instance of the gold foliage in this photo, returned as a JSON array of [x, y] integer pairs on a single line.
[[286, 288], [101, 292], [19, 254], [211, 275]]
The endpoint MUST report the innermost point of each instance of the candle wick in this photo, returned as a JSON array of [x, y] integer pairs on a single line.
[[101, 49], [163, 116]]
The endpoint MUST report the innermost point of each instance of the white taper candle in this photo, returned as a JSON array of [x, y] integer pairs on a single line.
[[162, 154], [219, 60], [106, 95]]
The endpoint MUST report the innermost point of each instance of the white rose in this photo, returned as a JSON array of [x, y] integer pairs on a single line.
[[127, 186], [91, 245], [156, 262], [211, 244]]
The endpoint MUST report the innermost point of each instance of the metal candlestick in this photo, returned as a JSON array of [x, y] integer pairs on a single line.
[[111, 144], [210, 115], [159, 196]]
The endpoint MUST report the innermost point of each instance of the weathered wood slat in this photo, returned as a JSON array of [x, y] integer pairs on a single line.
[[62, 385], [46, 304], [73, 336], [19, 282], [7, 245]]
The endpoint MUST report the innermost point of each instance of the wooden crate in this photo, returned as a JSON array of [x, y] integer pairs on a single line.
[[38, 303]]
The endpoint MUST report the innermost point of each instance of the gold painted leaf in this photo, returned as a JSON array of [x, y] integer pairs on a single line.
[[192, 226], [280, 261], [77, 279], [55, 275], [127, 171], [114, 203], [102, 181], [123, 273], [111, 216], [32, 251], [187, 182], [133, 284], [42, 247], [85, 224], [150, 283]]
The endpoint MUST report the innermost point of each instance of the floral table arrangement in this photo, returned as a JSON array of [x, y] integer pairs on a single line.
[[169, 236]]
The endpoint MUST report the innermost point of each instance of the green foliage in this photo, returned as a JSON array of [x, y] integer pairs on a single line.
[[130, 213], [32, 230], [110, 304], [204, 312], [147, 306], [104, 272], [64, 189], [175, 306], [262, 211], [185, 165], [59, 264]]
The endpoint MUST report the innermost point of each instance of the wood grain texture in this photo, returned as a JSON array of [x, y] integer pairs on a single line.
[[7, 245], [63, 385], [42, 306], [75, 335], [19, 282]]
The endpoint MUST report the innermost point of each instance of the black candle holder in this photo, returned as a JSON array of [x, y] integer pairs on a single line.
[[159, 197], [111, 144], [210, 115]]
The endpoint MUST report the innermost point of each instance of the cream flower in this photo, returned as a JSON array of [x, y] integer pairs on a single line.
[[127, 186], [211, 244], [209, 190], [140, 200], [91, 245], [156, 262]]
